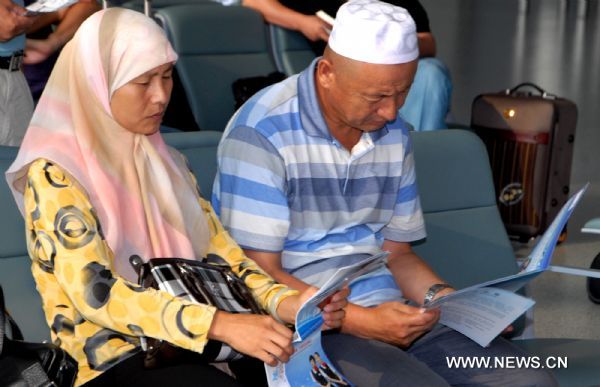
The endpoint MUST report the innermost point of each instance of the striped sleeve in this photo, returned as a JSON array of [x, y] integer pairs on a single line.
[[407, 223], [249, 193]]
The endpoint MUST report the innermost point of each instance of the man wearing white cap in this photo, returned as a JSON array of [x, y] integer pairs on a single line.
[[317, 172]]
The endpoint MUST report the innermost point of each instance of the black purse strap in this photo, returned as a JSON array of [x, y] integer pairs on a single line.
[[34, 374], [5, 318]]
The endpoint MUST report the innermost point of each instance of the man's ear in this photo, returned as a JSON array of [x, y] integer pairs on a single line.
[[325, 75]]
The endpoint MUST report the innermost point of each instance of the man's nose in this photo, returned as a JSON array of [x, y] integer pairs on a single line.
[[388, 109]]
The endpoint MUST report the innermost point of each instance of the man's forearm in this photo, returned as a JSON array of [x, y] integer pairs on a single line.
[[357, 322], [413, 275], [70, 20], [276, 13]]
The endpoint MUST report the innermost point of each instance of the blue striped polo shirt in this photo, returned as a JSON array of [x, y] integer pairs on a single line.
[[284, 184]]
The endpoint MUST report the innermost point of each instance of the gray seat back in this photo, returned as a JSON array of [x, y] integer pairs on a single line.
[[291, 50], [467, 242], [200, 149], [216, 45], [22, 298], [138, 5], [464, 229]]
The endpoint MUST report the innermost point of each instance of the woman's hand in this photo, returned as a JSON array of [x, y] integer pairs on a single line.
[[332, 307], [259, 336]]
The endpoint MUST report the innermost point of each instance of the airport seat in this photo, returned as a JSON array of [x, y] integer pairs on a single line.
[[200, 149], [138, 5], [22, 299], [464, 228], [290, 49], [466, 242], [217, 45]]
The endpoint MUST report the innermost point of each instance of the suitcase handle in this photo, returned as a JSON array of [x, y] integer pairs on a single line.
[[543, 92]]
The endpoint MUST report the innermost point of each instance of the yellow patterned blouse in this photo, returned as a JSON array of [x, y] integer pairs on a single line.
[[94, 314]]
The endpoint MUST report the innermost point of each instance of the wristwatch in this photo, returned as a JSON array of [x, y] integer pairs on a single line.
[[432, 291]]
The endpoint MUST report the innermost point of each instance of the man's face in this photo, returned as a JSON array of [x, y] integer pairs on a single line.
[[366, 96]]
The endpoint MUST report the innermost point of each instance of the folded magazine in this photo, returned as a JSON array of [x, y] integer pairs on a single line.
[[482, 311], [309, 365]]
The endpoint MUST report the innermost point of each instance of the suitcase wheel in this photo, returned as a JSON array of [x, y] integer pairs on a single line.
[[593, 284]]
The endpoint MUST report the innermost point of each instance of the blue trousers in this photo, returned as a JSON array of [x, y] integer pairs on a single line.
[[373, 363], [428, 100]]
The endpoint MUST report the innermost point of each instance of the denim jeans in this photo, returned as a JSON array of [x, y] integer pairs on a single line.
[[373, 363], [428, 100]]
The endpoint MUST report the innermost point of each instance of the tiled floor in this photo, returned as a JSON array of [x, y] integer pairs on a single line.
[[490, 45]]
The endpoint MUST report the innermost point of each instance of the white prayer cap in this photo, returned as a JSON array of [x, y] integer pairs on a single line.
[[374, 32]]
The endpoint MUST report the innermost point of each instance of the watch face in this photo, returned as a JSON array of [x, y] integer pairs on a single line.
[[433, 290]]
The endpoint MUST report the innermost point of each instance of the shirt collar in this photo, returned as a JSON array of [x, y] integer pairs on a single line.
[[311, 116]]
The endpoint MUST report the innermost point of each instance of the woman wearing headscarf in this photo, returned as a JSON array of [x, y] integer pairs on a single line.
[[97, 184]]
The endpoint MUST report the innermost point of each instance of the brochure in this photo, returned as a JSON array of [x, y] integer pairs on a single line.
[[309, 365], [45, 6], [481, 312]]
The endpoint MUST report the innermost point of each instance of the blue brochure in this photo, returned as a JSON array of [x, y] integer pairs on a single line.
[[309, 365], [537, 261], [481, 312]]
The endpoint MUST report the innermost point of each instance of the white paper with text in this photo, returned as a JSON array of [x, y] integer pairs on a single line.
[[483, 313]]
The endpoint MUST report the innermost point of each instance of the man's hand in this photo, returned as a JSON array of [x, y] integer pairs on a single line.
[[13, 20], [258, 336], [314, 28], [392, 322], [333, 309]]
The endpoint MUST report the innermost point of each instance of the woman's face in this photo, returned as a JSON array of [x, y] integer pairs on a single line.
[[140, 104]]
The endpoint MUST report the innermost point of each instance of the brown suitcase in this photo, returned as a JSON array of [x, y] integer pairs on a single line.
[[529, 138]]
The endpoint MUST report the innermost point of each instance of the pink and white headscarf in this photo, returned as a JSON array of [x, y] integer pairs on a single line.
[[141, 190]]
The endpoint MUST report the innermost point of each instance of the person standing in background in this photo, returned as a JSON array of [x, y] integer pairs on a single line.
[[16, 104], [47, 36]]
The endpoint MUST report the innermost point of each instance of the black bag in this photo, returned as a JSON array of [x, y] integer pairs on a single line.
[[31, 364], [529, 138], [210, 282], [244, 88]]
